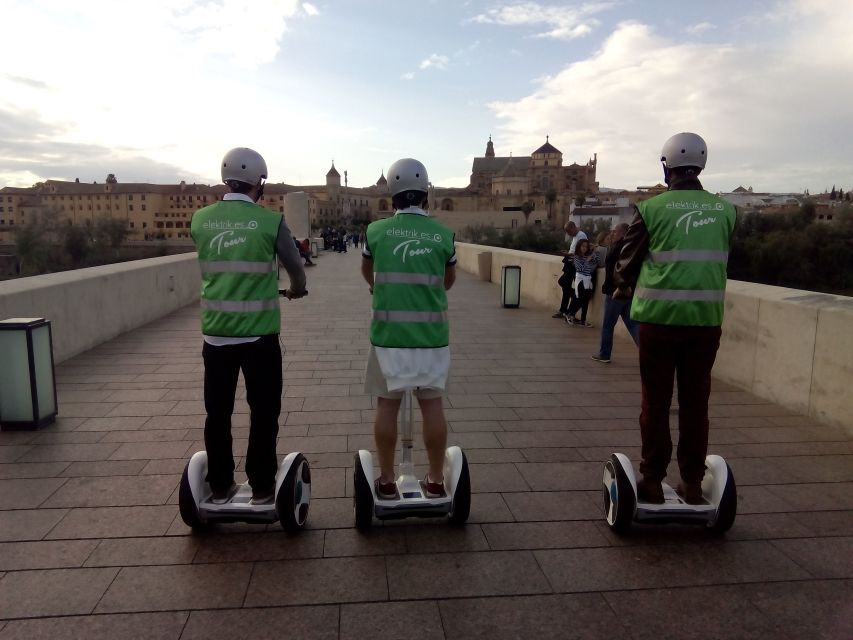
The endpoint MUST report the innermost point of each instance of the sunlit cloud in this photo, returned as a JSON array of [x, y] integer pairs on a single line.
[[641, 87], [701, 27], [563, 22], [310, 9], [435, 61]]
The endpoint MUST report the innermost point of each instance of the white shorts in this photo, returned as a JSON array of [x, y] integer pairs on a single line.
[[376, 385]]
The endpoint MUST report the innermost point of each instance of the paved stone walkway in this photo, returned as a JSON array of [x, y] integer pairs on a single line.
[[91, 544]]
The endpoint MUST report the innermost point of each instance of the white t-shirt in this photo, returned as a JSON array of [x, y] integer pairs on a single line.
[[580, 236]]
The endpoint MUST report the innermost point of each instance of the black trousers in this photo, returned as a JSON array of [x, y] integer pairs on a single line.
[[260, 362]]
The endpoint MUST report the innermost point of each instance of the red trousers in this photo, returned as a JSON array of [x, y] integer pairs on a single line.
[[688, 353]]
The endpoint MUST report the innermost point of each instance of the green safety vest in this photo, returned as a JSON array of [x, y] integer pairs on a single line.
[[410, 253], [236, 243], [683, 278]]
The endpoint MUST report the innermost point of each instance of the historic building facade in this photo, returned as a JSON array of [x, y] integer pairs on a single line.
[[156, 211]]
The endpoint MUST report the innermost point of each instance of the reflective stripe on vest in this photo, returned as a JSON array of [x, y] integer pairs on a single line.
[[238, 306], [391, 277], [409, 316], [689, 255], [238, 266], [679, 295]]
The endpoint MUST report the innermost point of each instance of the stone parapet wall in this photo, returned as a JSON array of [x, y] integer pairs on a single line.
[[792, 347], [89, 306]]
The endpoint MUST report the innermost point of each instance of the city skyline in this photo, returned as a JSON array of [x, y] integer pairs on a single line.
[[158, 92]]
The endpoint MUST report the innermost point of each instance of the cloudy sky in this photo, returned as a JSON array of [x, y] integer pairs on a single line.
[[158, 90]]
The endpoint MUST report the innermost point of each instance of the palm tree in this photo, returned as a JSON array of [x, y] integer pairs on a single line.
[[550, 198], [526, 209]]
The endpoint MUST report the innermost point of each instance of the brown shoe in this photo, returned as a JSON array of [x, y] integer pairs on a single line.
[[650, 491], [690, 492]]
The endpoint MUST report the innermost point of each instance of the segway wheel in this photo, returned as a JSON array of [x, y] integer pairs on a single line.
[[460, 508], [727, 509], [619, 498], [294, 496], [362, 497], [187, 503]]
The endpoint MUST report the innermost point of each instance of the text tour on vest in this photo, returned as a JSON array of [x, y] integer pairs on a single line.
[[406, 250]]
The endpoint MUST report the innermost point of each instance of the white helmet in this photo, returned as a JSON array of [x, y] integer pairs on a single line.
[[407, 174], [245, 165], [684, 150]]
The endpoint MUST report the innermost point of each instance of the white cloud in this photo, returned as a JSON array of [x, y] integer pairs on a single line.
[[564, 23], [435, 61], [754, 105], [147, 79], [310, 9], [700, 27], [409, 75]]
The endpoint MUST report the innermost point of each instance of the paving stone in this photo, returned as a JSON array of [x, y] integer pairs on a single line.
[[593, 569], [552, 454], [821, 557], [53, 592], [259, 545], [657, 614], [543, 535], [67, 437], [327, 580], [15, 556], [155, 435], [410, 620], [489, 507], [561, 475], [808, 609], [130, 552], [492, 478], [103, 468], [310, 623], [31, 470], [825, 523], [454, 575], [112, 522], [561, 617], [150, 450], [139, 626], [171, 587], [438, 536], [118, 491], [350, 542], [553, 505], [69, 452], [27, 493]]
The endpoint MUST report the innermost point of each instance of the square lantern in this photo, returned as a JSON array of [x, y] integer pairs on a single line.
[[511, 286], [27, 383]]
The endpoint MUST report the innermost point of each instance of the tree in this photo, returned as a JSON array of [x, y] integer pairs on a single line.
[[77, 244], [111, 232], [550, 198], [527, 208]]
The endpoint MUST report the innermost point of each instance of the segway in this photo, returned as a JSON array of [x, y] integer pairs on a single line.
[[290, 508], [621, 506], [411, 500]]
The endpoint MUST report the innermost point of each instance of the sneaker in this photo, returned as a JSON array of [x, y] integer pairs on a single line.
[[559, 314], [571, 320], [650, 491], [690, 492], [432, 489], [386, 490], [600, 358], [224, 496], [263, 496], [586, 324]]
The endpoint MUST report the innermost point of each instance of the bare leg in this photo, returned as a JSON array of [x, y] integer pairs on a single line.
[[435, 436], [385, 434]]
